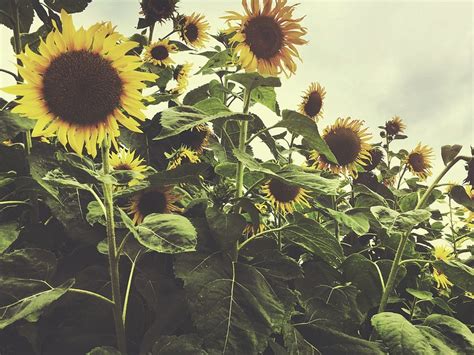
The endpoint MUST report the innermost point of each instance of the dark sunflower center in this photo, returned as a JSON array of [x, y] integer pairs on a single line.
[[416, 161], [392, 128], [264, 36], [81, 88], [159, 52], [283, 192], [153, 202], [193, 138], [313, 104], [344, 143], [191, 32], [123, 166]]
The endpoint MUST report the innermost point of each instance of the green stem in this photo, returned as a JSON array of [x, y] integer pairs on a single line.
[[258, 235], [114, 258], [404, 239], [129, 286], [150, 33], [240, 166], [14, 203], [90, 293], [401, 176], [453, 232]]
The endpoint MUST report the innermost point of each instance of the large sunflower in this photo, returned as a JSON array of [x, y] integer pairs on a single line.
[[312, 104], [419, 161], [181, 75], [158, 10], [284, 197], [81, 85], [193, 30], [395, 126], [266, 37], [155, 200], [159, 52], [347, 139], [125, 159]]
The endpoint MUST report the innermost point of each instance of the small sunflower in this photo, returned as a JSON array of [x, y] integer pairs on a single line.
[[193, 30], [181, 75], [250, 229], [441, 279], [376, 156], [284, 197], [125, 159], [180, 156], [312, 104], [155, 200], [158, 53], [158, 10], [347, 139], [395, 126], [266, 37], [444, 253], [81, 85], [470, 216], [419, 161], [196, 138]]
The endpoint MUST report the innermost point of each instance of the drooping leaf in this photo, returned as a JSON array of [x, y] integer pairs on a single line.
[[8, 233], [459, 194], [211, 106], [11, 124], [449, 152], [25, 10], [227, 228], [395, 222], [217, 60], [355, 219], [242, 310], [422, 295], [251, 81], [167, 233], [267, 97], [460, 274], [456, 331]]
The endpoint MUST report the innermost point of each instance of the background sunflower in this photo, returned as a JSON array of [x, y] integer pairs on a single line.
[[419, 161], [159, 53], [284, 197], [155, 200], [194, 30], [312, 104]]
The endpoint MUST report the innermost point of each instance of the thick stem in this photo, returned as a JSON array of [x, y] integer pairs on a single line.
[[150, 33], [240, 166], [114, 258], [453, 231], [401, 176], [403, 240]]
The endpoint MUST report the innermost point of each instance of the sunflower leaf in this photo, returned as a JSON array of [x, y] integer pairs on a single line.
[[461, 275], [226, 229], [11, 124], [449, 152], [70, 6], [251, 81], [304, 126], [25, 10], [459, 194]]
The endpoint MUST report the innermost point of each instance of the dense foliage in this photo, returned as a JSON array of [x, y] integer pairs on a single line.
[[167, 233]]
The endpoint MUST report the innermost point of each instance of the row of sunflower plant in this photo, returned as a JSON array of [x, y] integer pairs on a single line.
[[128, 232]]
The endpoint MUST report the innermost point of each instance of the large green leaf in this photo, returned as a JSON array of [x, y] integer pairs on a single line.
[[363, 274], [399, 335], [217, 60], [226, 228], [186, 173], [251, 81], [30, 306], [167, 233], [69, 5], [11, 124], [188, 344], [212, 106], [267, 97], [355, 219], [311, 236], [25, 10], [395, 222], [459, 274], [30, 263], [456, 331], [8, 233], [104, 350], [304, 126], [232, 305]]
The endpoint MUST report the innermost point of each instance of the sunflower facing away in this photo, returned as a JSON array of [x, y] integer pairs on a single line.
[[181, 156], [193, 30], [181, 75], [347, 139], [156, 200], [312, 104], [441, 252], [158, 10], [395, 126], [125, 159], [196, 138], [158, 53], [419, 161], [376, 156], [81, 85], [266, 36], [470, 173], [284, 197]]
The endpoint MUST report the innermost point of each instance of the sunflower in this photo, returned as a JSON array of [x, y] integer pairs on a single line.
[[470, 216], [193, 30], [470, 173], [266, 37], [158, 53], [395, 126], [196, 138], [180, 156], [155, 200], [125, 159], [376, 156], [158, 10], [444, 253], [283, 197], [419, 161], [81, 85], [250, 229], [181, 75], [312, 104], [347, 139]]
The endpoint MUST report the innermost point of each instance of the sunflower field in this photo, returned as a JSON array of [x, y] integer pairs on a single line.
[[138, 214]]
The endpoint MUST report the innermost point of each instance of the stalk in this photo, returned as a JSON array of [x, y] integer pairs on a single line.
[[114, 258], [404, 239], [240, 166]]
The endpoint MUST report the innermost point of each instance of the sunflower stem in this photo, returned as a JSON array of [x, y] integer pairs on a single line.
[[240, 166], [401, 176], [113, 256], [404, 239], [453, 231], [150, 33]]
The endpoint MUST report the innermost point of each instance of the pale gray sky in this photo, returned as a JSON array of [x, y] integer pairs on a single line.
[[376, 59]]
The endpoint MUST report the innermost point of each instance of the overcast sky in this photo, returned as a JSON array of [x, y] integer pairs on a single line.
[[376, 59]]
